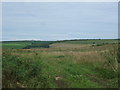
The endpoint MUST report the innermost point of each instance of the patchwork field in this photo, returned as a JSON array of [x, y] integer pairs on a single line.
[[62, 64]]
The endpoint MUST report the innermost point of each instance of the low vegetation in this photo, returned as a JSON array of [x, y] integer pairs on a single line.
[[63, 65]]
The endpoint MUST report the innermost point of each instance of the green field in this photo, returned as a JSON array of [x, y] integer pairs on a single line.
[[15, 45], [21, 44], [63, 64]]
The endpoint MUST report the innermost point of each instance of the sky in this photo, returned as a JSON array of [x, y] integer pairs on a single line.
[[59, 20]]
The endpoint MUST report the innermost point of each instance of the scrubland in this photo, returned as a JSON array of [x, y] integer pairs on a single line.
[[62, 65]]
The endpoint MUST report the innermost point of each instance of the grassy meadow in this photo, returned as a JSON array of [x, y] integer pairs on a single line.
[[60, 64]]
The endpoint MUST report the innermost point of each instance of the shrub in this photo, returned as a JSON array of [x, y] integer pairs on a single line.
[[22, 72], [111, 59]]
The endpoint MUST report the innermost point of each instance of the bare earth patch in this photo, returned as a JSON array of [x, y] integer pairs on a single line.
[[60, 82]]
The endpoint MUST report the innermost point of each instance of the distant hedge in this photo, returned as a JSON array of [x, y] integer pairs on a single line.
[[44, 45], [28, 47]]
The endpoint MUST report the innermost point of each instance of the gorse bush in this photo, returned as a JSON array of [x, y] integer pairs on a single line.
[[22, 72]]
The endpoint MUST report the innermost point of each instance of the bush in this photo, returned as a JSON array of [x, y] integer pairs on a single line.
[[22, 72], [111, 59], [106, 73], [37, 46]]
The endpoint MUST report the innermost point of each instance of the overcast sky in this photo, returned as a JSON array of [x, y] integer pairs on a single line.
[[59, 21]]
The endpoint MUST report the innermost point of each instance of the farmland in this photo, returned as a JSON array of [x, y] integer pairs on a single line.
[[60, 64]]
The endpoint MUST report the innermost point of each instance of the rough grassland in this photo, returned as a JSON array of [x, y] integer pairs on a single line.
[[63, 65]]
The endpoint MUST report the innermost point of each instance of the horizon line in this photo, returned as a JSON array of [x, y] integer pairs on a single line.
[[66, 39]]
